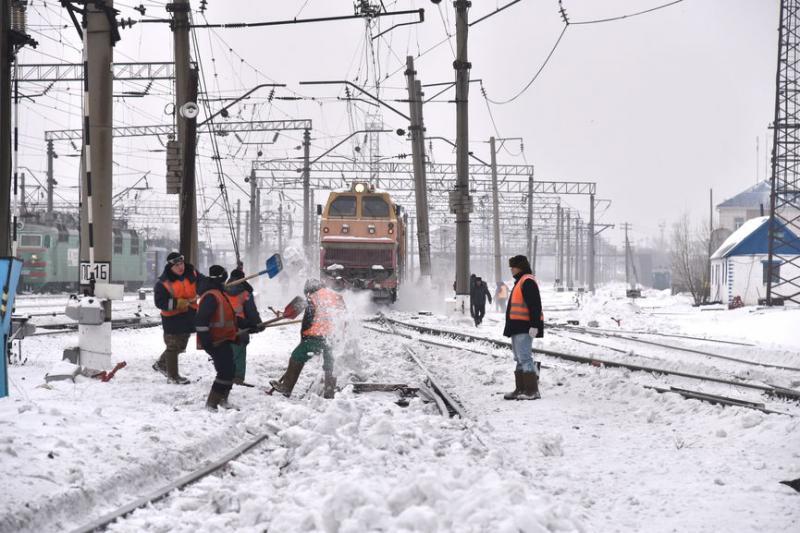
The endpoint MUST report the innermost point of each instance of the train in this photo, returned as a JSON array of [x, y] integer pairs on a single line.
[[362, 241], [50, 253]]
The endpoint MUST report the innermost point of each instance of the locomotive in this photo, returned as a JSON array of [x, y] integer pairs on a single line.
[[362, 241], [50, 253]]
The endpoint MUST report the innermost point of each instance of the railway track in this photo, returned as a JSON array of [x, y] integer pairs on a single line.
[[771, 390]]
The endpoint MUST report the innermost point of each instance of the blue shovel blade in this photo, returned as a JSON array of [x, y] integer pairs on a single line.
[[274, 265]]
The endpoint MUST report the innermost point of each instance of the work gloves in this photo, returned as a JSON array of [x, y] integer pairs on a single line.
[[182, 304], [533, 332]]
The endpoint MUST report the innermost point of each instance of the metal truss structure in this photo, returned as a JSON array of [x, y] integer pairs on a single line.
[[783, 279], [222, 128], [441, 177], [55, 72]]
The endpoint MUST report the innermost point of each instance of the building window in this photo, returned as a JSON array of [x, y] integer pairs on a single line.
[[776, 271], [117, 241], [134, 244], [738, 222]]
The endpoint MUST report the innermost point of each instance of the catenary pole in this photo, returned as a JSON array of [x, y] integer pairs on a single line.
[[5, 128], [417, 130], [307, 194], [498, 275], [590, 259], [461, 203], [185, 91], [51, 154]]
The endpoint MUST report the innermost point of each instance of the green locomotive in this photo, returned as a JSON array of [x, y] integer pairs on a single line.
[[51, 256]]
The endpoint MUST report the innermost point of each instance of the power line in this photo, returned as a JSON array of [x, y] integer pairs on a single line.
[[630, 15]]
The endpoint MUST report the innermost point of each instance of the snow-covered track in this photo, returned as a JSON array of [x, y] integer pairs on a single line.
[[630, 338], [768, 389], [657, 334], [102, 522]]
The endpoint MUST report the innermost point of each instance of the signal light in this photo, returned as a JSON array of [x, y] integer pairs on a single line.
[[325, 229]]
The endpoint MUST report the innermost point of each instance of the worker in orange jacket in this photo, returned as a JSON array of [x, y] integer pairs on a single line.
[[321, 320]]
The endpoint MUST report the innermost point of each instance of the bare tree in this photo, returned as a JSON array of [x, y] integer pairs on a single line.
[[690, 252]]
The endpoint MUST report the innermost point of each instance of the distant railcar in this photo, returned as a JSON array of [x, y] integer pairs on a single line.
[[362, 241], [51, 256]]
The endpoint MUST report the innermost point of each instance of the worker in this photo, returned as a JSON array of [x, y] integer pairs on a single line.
[[216, 332], [175, 294], [501, 296], [324, 307], [244, 305], [478, 295]]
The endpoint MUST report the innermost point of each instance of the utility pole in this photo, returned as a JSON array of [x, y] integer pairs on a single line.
[[567, 227], [51, 154], [533, 260], [280, 229], [557, 247], [460, 201], [579, 265], [626, 227], [590, 260], [530, 214], [22, 206], [238, 220], [411, 250], [307, 194], [498, 275], [185, 91], [6, 52], [255, 216], [417, 129]]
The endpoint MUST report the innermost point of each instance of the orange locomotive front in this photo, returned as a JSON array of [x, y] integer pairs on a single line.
[[362, 240]]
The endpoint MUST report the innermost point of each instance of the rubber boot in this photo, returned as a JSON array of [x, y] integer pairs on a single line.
[[530, 384], [225, 404], [214, 399], [329, 390], [172, 370], [285, 385], [517, 387], [160, 366]]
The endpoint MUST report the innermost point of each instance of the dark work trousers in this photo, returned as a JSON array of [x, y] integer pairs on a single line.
[[222, 356], [480, 310]]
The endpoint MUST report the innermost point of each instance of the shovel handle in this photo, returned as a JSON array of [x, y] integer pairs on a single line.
[[242, 280]]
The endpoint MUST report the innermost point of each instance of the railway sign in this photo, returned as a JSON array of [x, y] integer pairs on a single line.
[[101, 272]]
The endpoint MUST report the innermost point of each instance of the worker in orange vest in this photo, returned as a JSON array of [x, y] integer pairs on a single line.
[[244, 305], [216, 332], [175, 294], [524, 322], [321, 320], [501, 296]]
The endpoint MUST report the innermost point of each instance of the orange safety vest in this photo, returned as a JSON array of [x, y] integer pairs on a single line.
[[180, 289], [502, 292], [238, 301], [326, 303], [223, 325], [517, 308]]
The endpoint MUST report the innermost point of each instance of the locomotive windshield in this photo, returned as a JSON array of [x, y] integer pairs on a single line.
[[343, 206], [374, 207]]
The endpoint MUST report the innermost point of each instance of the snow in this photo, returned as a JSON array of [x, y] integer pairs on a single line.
[[599, 452], [744, 231]]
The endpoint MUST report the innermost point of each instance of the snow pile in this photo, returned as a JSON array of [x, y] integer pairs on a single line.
[[357, 464]]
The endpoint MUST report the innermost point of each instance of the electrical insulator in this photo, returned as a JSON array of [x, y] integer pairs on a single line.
[[18, 15]]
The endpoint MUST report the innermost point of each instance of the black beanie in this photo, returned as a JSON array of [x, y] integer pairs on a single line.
[[236, 274], [218, 273], [520, 262], [173, 256]]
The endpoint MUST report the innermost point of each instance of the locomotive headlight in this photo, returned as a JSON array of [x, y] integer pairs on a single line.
[[34, 257], [360, 187], [391, 231], [345, 228], [325, 229], [371, 229], [391, 228]]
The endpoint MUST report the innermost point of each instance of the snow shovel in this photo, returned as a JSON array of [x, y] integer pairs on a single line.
[[272, 267], [292, 310]]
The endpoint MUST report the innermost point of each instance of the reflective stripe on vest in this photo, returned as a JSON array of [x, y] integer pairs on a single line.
[[517, 308], [223, 325], [326, 303], [184, 289]]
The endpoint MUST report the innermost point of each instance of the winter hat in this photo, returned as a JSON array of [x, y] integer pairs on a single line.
[[174, 258], [520, 262], [312, 285], [237, 274], [218, 273]]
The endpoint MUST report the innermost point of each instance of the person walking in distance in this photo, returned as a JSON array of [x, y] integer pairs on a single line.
[[479, 294], [524, 322], [321, 320], [244, 305], [175, 294], [216, 332], [501, 296]]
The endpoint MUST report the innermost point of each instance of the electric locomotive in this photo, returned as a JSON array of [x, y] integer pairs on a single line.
[[362, 241]]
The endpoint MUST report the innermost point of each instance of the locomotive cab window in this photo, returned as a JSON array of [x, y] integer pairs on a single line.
[[374, 207], [343, 206], [30, 240]]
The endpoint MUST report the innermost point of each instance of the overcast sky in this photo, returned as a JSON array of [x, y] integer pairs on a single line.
[[656, 109]]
